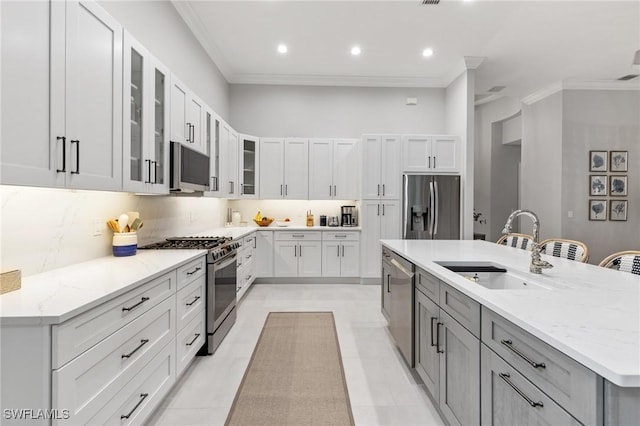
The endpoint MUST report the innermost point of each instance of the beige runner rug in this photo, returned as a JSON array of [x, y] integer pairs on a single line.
[[295, 376]]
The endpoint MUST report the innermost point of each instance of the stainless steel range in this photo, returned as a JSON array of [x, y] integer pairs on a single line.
[[221, 283]]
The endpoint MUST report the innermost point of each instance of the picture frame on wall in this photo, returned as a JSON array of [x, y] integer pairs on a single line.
[[618, 161], [618, 186], [618, 210], [598, 161], [598, 185], [597, 209]]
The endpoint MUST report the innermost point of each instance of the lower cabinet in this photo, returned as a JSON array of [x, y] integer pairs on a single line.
[[297, 254], [246, 264], [340, 254], [263, 262]]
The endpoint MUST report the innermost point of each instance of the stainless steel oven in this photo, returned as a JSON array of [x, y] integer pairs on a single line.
[[221, 298]]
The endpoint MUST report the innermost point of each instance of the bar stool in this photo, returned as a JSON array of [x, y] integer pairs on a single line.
[[625, 261], [521, 241], [567, 249]]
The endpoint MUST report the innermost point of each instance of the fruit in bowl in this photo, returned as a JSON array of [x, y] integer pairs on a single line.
[[264, 221]]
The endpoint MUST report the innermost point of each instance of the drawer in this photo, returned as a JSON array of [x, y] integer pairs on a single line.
[[78, 334], [86, 383], [250, 241], [247, 273], [189, 341], [507, 397], [300, 235], [192, 270], [341, 236], [461, 307], [247, 255], [569, 383], [190, 300], [428, 284], [141, 396]]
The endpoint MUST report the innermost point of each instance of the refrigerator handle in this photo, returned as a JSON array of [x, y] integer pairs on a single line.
[[405, 206], [436, 206], [430, 217]]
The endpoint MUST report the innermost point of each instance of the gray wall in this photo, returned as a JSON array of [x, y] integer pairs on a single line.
[[158, 27], [599, 120], [504, 183], [267, 110], [542, 163]]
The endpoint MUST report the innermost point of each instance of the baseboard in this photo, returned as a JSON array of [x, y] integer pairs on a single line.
[[307, 280]]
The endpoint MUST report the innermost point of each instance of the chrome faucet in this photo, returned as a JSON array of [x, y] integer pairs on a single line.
[[537, 264]]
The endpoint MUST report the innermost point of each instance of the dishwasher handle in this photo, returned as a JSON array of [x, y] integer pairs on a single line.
[[401, 268]]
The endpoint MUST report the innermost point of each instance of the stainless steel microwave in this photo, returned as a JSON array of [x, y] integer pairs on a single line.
[[189, 169]]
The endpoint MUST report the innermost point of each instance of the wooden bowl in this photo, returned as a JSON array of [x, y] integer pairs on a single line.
[[263, 222]]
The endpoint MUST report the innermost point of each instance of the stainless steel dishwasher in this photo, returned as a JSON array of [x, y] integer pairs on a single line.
[[397, 300]]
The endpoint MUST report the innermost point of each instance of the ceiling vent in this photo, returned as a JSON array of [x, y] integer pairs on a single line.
[[430, 1], [628, 77], [496, 89]]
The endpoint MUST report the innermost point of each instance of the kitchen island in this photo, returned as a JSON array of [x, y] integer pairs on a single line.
[[584, 314]]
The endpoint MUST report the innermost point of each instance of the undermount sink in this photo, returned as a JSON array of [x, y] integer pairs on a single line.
[[491, 276]]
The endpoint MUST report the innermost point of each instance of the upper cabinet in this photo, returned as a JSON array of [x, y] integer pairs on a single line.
[[146, 115], [248, 166], [216, 154], [333, 169], [61, 95], [426, 153], [187, 116], [381, 174], [285, 168]]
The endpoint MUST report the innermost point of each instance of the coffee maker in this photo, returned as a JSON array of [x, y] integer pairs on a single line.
[[349, 216]]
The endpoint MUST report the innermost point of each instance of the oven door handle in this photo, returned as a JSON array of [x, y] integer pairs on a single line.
[[221, 264]]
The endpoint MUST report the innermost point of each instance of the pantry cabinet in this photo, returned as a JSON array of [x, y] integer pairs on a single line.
[[287, 175], [381, 174], [333, 169], [62, 95], [380, 219], [145, 117], [427, 153]]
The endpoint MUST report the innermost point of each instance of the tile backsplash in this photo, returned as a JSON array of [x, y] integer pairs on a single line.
[[44, 229]]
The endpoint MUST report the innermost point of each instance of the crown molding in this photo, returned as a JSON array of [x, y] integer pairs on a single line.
[[322, 80], [542, 93], [581, 85], [199, 30], [488, 99]]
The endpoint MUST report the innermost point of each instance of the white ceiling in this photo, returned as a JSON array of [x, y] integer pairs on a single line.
[[526, 45]]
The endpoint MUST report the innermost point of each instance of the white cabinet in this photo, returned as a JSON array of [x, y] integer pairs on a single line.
[[297, 254], [263, 262], [248, 165], [245, 262], [428, 153], [333, 169], [340, 254], [231, 174], [145, 117], [380, 220], [187, 116], [381, 174], [287, 174], [62, 95], [216, 152]]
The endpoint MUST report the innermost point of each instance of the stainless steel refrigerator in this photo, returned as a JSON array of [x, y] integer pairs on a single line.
[[431, 207]]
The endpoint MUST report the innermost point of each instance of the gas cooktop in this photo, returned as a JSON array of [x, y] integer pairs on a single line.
[[204, 243]]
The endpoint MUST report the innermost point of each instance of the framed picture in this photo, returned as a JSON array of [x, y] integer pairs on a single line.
[[598, 185], [618, 210], [618, 186], [597, 209], [618, 161], [598, 161]]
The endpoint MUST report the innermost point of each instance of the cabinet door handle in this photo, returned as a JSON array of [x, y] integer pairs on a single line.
[[194, 339], [429, 166], [194, 271], [300, 251], [378, 190], [193, 133], [131, 308], [230, 187], [142, 343], [214, 183], [143, 396], [383, 210], [329, 190], [155, 172], [77, 171], [148, 171], [338, 247], [432, 333], [188, 132], [242, 189], [434, 162], [509, 344], [388, 279], [383, 190], [531, 402], [378, 209], [295, 250], [438, 324], [335, 191], [193, 301], [342, 251], [286, 189], [64, 154], [281, 190]]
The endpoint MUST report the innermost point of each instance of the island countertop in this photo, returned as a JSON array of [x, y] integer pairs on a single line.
[[589, 313]]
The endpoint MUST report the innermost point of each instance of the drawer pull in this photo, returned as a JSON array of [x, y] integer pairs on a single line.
[[143, 396], [144, 299], [508, 343], [298, 235], [194, 339], [142, 343], [341, 235], [193, 301], [194, 271], [248, 256], [505, 377]]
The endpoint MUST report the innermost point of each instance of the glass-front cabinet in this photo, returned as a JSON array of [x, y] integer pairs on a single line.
[[248, 166], [145, 113]]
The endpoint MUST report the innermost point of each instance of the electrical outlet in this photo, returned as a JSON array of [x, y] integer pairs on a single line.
[[97, 227], [570, 214]]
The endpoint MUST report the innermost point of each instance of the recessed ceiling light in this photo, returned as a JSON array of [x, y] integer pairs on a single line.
[[427, 52], [355, 50], [282, 48]]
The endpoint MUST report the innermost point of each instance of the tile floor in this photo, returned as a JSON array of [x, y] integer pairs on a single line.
[[381, 387]]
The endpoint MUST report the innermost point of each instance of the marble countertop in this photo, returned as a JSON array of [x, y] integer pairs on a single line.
[[241, 231], [60, 294], [589, 313]]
